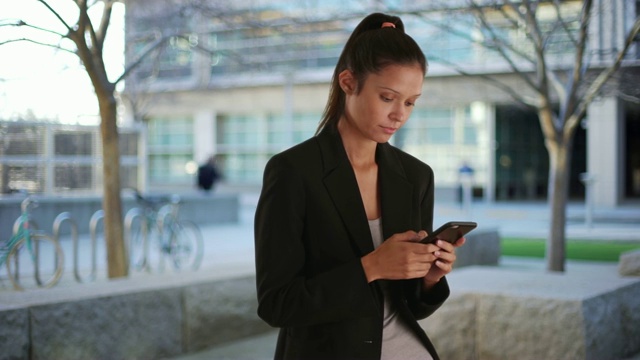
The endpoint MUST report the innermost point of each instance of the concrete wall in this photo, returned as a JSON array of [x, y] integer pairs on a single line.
[[144, 318], [202, 209], [493, 313], [502, 313]]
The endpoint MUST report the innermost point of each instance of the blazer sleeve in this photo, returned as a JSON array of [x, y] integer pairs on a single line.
[[287, 294]]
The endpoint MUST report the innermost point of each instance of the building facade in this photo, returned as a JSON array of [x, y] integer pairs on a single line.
[[250, 79], [61, 159]]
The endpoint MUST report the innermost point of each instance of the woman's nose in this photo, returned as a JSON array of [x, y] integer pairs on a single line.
[[399, 113]]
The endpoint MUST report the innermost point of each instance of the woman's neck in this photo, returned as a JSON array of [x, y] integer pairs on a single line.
[[360, 150]]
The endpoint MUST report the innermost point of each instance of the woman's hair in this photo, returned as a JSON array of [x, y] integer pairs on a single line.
[[370, 48]]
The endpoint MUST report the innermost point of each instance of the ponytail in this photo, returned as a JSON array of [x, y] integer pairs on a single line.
[[378, 41]]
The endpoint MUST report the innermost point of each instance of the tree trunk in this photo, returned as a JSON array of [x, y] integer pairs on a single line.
[[118, 265], [560, 165]]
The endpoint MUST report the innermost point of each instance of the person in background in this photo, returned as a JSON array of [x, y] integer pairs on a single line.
[[208, 174], [339, 266]]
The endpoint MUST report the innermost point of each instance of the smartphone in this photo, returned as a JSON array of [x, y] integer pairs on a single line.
[[450, 232]]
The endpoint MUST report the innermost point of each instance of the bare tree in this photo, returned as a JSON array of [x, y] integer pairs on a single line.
[[552, 81], [166, 21], [88, 38]]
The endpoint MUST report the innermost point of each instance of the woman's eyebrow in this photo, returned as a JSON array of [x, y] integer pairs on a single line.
[[395, 91]]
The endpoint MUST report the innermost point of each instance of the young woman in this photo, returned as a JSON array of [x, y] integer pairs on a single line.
[[339, 265]]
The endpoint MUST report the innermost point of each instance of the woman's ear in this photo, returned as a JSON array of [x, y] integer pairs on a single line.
[[347, 81]]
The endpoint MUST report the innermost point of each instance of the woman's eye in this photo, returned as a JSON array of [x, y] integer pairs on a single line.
[[408, 103], [386, 99]]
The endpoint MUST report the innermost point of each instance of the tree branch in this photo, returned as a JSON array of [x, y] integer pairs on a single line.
[[500, 48], [37, 43], [23, 23], [495, 82], [152, 47], [563, 23], [55, 13], [105, 22], [578, 63], [604, 76]]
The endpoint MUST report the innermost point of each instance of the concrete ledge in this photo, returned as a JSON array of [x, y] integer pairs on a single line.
[[629, 264], [498, 313], [143, 318], [482, 248]]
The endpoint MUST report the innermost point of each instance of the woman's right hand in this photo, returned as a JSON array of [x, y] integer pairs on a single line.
[[401, 256]]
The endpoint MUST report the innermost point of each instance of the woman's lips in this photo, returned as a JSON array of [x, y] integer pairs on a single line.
[[389, 130]]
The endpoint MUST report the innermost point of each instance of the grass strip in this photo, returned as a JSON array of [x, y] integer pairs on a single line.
[[576, 249]]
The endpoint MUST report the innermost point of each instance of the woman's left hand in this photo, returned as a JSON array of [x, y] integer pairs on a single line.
[[445, 257]]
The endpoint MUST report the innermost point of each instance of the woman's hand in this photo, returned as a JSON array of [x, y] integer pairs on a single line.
[[443, 264], [401, 256]]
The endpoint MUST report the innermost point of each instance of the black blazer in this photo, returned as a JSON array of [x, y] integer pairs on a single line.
[[311, 231]]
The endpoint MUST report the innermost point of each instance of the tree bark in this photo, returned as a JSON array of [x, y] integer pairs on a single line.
[[118, 266], [559, 166]]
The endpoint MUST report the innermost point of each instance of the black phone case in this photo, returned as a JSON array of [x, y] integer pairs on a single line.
[[451, 231]]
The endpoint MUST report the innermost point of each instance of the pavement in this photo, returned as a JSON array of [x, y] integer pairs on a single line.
[[229, 249]]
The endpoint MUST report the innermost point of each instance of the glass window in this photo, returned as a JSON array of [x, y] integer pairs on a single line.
[[170, 144], [429, 126], [278, 130], [304, 126], [73, 143], [73, 177], [237, 130]]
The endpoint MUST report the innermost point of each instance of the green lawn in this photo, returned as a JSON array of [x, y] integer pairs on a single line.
[[576, 250]]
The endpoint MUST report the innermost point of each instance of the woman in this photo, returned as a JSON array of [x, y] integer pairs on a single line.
[[324, 274]]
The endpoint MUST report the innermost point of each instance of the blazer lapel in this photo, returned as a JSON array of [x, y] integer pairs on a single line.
[[340, 182], [396, 193]]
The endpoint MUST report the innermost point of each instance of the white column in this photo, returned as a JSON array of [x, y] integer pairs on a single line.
[[490, 185], [604, 149], [204, 135]]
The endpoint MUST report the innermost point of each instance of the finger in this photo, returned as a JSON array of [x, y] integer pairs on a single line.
[[448, 257], [445, 267], [444, 245], [460, 242]]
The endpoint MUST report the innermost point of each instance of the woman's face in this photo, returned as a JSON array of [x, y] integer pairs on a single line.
[[384, 102]]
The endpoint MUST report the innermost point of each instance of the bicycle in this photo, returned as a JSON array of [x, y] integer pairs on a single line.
[[175, 238], [27, 244]]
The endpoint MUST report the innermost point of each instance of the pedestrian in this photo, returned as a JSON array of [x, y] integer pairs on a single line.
[[208, 174], [338, 264]]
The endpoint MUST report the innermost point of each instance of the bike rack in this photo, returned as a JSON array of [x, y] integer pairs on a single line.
[[93, 230], [57, 223], [129, 218]]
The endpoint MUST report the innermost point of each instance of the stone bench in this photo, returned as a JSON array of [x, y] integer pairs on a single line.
[[500, 313], [481, 248], [148, 317], [629, 264]]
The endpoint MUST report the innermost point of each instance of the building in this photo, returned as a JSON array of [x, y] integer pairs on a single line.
[[62, 159], [249, 79]]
